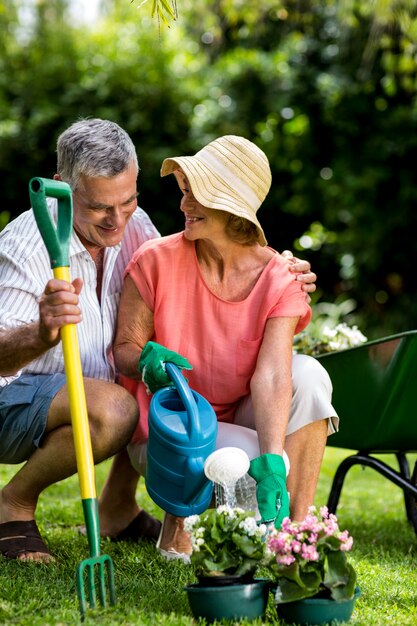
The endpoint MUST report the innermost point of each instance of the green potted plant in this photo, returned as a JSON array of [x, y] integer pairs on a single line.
[[315, 582], [228, 547]]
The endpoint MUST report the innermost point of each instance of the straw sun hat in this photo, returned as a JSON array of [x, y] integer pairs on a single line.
[[230, 174]]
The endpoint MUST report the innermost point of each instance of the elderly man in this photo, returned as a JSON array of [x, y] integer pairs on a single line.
[[98, 160]]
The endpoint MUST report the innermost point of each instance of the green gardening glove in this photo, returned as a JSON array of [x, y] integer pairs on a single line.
[[271, 488], [151, 365]]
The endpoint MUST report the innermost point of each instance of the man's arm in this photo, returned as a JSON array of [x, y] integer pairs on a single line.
[[58, 306]]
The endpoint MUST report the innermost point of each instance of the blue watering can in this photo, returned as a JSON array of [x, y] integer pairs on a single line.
[[182, 434]]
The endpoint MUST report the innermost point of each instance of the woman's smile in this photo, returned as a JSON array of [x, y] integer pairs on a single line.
[[191, 219]]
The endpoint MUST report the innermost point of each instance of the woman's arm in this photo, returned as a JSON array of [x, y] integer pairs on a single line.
[[271, 389], [134, 329], [271, 384]]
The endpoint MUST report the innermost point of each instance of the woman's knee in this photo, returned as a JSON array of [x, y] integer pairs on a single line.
[[309, 374], [232, 435]]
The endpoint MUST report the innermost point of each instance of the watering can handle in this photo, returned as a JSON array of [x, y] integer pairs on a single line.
[[57, 239], [188, 400]]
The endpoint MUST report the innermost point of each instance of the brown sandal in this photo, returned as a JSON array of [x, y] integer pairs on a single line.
[[19, 537], [144, 527]]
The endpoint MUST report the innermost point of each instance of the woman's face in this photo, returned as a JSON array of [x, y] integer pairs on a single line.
[[200, 222]]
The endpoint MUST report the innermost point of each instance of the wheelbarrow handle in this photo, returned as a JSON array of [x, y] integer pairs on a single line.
[[57, 238]]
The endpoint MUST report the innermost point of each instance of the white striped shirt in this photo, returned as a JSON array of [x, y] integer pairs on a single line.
[[25, 269]]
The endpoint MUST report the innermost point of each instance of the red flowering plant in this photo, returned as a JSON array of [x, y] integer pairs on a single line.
[[309, 558]]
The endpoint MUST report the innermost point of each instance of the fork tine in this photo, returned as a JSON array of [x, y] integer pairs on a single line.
[[110, 576], [102, 586], [80, 590], [91, 585], [90, 570]]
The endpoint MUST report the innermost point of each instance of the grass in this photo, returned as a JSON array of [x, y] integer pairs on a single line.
[[149, 589]]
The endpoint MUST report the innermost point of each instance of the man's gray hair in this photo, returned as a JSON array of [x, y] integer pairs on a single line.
[[94, 147]]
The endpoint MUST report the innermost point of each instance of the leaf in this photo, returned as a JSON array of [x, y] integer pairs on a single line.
[[248, 566], [347, 591], [163, 9], [223, 561], [168, 8], [288, 591], [289, 572], [336, 570], [247, 545], [333, 543]]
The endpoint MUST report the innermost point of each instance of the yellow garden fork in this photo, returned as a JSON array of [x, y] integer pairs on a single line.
[[57, 240]]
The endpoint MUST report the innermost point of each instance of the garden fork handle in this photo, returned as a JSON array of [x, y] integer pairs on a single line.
[[57, 239]]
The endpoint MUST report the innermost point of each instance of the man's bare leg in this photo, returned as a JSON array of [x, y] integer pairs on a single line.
[[112, 415]]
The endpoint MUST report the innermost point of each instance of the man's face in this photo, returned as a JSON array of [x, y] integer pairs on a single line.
[[103, 207]]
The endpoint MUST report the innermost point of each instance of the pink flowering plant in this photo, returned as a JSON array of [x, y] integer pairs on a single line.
[[226, 541], [309, 558]]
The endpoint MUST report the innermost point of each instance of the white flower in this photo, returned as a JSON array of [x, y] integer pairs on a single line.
[[328, 339], [249, 526], [197, 542], [190, 522], [329, 332], [261, 530], [230, 511]]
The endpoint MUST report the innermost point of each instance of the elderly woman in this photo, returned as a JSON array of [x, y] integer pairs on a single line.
[[217, 294]]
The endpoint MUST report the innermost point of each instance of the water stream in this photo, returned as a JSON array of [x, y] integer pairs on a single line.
[[241, 493], [233, 487]]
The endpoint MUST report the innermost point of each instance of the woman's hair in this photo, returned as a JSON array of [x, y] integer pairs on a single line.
[[242, 230], [94, 147]]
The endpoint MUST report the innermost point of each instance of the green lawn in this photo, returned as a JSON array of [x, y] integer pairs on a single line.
[[149, 589]]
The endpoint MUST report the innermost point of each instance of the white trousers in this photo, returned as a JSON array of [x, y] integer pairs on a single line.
[[311, 402]]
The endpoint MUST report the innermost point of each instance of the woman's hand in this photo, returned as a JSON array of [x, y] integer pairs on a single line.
[[270, 474], [151, 365]]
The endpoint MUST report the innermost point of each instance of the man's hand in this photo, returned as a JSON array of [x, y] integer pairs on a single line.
[[58, 306], [303, 269]]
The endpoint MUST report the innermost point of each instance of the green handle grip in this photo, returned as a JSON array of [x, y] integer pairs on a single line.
[[57, 238]]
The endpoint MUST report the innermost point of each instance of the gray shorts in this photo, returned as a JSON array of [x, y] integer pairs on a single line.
[[24, 406]]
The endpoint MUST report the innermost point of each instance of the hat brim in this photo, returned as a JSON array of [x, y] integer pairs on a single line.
[[211, 190]]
